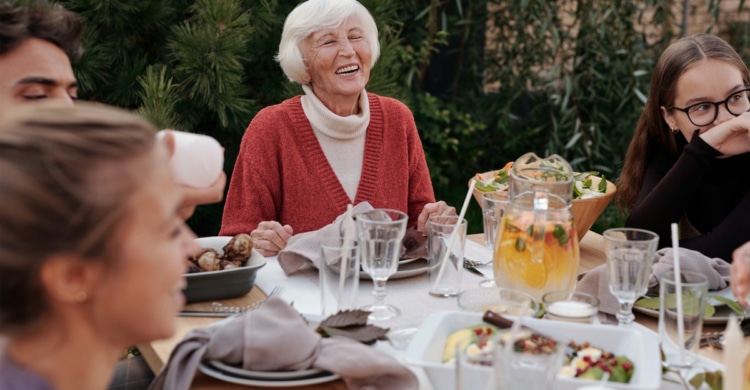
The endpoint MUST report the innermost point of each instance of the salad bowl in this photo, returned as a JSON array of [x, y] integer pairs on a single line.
[[585, 210]]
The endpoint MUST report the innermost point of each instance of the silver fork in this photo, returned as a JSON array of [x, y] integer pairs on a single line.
[[475, 263], [716, 342], [471, 265], [713, 339]]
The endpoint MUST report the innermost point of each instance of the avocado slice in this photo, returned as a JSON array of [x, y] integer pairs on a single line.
[[462, 338], [595, 373]]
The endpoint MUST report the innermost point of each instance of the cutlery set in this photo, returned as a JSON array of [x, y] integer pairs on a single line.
[[716, 339], [471, 266]]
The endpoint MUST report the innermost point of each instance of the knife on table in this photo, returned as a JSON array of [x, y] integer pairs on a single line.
[[208, 313]]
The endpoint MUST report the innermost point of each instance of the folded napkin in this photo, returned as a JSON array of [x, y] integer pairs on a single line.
[[304, 248], [596, 281], [275, 337]]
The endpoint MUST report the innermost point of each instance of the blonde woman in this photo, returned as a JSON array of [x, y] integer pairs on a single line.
[[92, 245]]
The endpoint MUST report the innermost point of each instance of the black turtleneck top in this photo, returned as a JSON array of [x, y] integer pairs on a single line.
[[711, 192]]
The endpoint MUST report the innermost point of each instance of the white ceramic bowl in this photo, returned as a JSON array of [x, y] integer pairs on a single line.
[[639, 345], [501, 300], [230, 283]]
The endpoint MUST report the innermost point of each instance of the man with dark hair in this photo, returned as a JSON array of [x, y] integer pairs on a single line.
[[37, 43]]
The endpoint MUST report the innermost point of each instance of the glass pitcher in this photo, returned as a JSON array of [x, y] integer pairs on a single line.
[[537, 246]]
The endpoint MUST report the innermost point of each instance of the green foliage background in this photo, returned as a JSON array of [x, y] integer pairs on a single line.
[[569, 76]]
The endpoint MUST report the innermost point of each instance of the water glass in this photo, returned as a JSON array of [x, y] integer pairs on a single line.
[[380, 234], [446, 238], [520, 370], [630, 255], [474, 371], [493, 209], [693, 291], [570, 306], [339, 275]]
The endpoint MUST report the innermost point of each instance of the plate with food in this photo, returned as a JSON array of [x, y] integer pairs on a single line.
[[720, 305], [226, 267], [413, 259]]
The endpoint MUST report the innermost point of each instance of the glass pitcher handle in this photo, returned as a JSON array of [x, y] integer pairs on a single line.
[[541, 205]]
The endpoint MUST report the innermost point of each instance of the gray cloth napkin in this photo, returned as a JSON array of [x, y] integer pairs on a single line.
[[596, 281], [304, 248], [275, 337]]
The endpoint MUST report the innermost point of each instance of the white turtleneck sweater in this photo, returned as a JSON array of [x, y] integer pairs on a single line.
[[342, 138]]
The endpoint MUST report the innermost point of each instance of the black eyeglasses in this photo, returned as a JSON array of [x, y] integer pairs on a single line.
[[705, 113]]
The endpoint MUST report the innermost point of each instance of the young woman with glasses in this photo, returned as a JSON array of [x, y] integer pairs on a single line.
[[688, 161]]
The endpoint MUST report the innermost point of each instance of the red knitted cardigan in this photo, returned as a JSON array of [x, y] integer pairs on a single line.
[[282, 174]]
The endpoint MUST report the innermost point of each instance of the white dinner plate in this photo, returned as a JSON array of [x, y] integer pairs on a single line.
[[263, 375], [405, 270], [219, 374], [720, 317]]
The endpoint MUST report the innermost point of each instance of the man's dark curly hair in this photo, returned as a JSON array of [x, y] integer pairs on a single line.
[[21, 20]]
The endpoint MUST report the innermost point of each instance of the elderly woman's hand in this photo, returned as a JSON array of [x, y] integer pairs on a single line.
[[270, 237], [740, 273], [193, 196], [432, 209]]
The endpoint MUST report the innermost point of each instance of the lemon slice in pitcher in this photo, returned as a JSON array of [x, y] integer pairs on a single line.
[[519, 267]]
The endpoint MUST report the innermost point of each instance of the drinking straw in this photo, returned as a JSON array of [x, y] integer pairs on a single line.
[[678, 288], [452, 238], [513, 335], [345, 252]]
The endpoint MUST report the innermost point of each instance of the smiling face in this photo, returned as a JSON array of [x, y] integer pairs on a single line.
[[709, 80], [37, 69], [338, 65], [140, 293]]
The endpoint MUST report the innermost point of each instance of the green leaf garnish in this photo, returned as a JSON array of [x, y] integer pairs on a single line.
[[736, 307], [520, 244], [583, 175], [602, 185], [561, 235]]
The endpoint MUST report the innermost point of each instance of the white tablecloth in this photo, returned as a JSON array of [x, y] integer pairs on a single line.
[[409, 295]]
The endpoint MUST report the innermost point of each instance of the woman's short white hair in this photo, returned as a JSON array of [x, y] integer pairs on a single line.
[[312, 16]]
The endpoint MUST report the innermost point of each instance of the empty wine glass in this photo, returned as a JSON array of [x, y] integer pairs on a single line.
[[380, 234], [630, 254]]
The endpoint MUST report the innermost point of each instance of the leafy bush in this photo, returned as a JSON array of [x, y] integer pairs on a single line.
[[566, 77]]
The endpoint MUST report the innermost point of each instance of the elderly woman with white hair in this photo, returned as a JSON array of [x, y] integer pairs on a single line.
[[302, 161]]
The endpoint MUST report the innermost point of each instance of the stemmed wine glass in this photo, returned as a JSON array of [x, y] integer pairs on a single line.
[[630, 254], [380, 234]]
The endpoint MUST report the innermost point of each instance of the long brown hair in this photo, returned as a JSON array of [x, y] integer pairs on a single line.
[[68, 176], [652, 129]]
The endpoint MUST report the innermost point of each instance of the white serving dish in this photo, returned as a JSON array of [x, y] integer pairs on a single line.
[[642, 347]]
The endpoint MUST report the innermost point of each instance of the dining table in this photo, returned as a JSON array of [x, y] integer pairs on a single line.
[[409, 293]]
